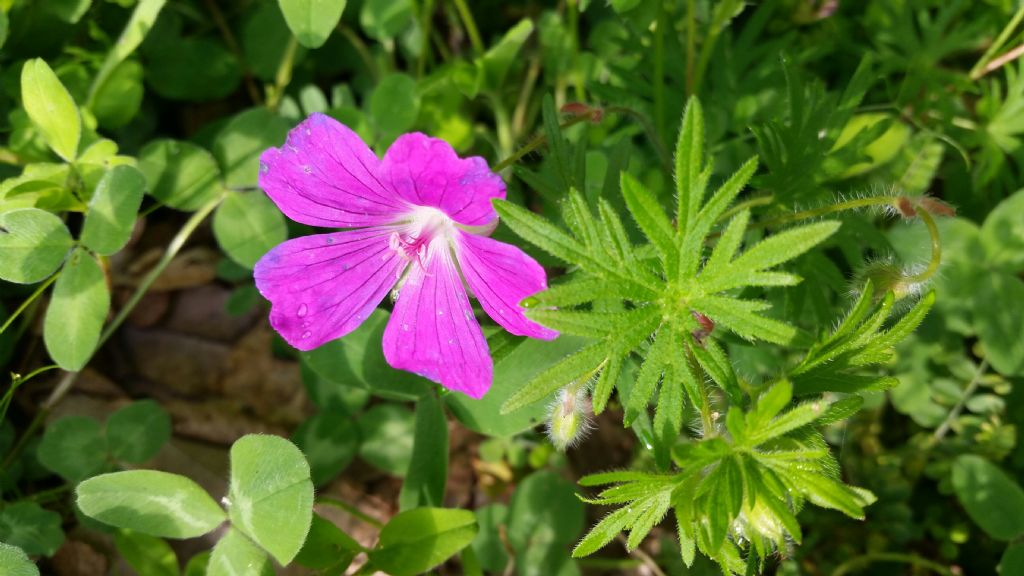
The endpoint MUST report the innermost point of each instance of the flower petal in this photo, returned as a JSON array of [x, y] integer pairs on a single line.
[[432, 331], [322, 287], [500, 276], [427, 172], [325, 175]]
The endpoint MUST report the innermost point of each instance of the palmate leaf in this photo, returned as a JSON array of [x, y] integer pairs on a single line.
[[660, 283], [837, 362]]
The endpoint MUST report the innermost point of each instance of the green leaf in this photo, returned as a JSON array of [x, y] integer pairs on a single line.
[[387, 431], [70, 11], [180, 174], [151, 502], [428, 467], [197, 564], [724, 499], [1002, 234], [138, 431], [568, 370], [236, 555], [785, 246], [826, 492], [51, 108], [312, 21], [998, 320], [700, 224], [1012, 561], [395, 105], [529, 358], [239, 144], [385, 19], [15, 562], [118, 99], [544, 510], [540, 232], [146, 554], [327, 548], [651, 219], [489, 544], [330, 440], [359, 359], [739, 316], [77, 311], [992, 498], [689, 163], [191, 69], [73, 447], [33, 243], [271, 494], [247, 225], [418, 540], [112, 210], [30, 527], [497, 61]]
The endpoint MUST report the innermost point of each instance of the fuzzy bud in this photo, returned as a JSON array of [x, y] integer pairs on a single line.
[[886, 276], [570, 417]]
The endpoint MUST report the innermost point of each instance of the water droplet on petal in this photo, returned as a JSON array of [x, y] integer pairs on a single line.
[[451, 341], [302, 310], [264, 168], [306, 334], [405, 327], [501, 311], [394, 295], [330, 240], [440, 312], [307, 169], [345, 267], [308, 132], [529, 302]]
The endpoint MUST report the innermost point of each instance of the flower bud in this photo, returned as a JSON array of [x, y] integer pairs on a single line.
[[570, 417], [886, 276]]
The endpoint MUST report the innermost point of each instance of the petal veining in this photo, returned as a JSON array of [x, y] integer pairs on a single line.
[[427, 172], [432, 331], [501, 276], [322, 287], [324, 175]]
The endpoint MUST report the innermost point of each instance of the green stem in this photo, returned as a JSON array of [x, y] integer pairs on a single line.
[[691, 44], [426, 24], [979, 69], [470, 25], [574, 35], [175, 246], [936, 259], [351, 510], [68, 380], [364, 51], [536, 142], [748, 203], [866, 559], [42, 287], [972, 387], [236, 49], [642, 556], [822, 211], [659, 71], [503, 125], [284, 74], [16, 382]]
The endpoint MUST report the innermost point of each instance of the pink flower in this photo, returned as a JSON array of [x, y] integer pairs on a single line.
[[418, 219]]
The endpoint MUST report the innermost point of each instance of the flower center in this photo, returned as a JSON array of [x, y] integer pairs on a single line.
[[422, 225]]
